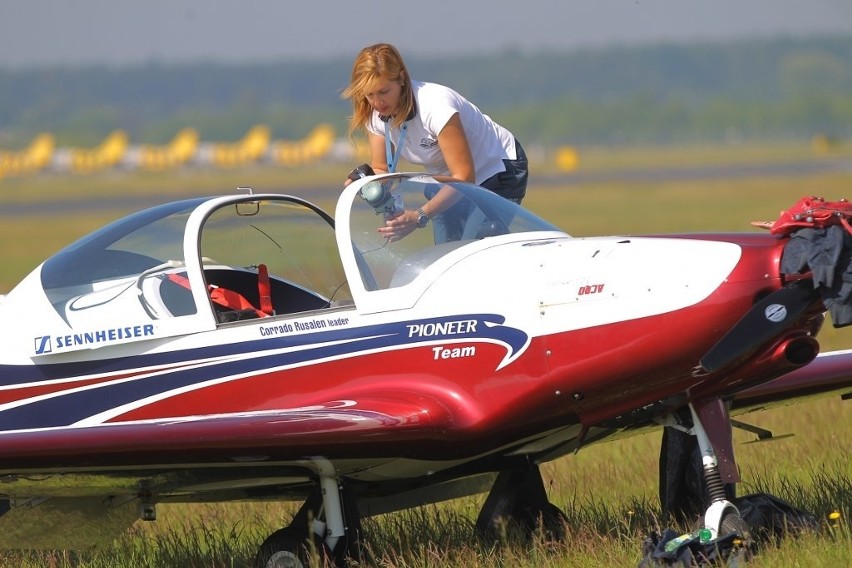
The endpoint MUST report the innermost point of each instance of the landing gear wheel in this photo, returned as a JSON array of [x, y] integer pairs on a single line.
[[732, 522], [288, 548], [518, 502], [549, 519]]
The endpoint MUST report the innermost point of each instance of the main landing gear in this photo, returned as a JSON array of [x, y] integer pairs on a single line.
[[326, 529], [518, 504]]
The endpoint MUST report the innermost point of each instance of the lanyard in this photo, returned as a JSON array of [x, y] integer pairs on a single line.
[[393, 158]]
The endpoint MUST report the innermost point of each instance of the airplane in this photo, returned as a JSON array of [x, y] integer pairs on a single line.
[[253, 146], [177, 152], [252, 346], [37, 155], [84, 160], [314, 146]]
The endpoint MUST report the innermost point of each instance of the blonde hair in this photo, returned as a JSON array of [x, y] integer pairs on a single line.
[[374, 63]]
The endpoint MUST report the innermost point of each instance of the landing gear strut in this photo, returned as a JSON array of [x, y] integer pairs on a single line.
[[326, 527]]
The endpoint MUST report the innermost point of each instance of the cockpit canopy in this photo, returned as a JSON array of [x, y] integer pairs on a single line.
[[151, 257], [473, 214], [198, 263]]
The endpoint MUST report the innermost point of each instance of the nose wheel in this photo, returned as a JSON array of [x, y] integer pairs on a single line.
[[687, 488], [722, 517]]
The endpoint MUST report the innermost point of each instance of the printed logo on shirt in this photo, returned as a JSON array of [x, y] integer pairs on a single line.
[[428, 143]]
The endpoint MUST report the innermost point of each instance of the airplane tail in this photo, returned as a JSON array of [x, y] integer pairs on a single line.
[[253, 146], [34, 157], [181, 149], [106, 154], [316, 145]]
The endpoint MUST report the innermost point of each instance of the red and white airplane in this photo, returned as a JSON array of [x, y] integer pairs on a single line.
[[252, 347]]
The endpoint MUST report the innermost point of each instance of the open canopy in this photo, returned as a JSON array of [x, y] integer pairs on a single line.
[[199, 263]]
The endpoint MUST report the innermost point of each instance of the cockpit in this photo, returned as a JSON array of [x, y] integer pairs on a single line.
[[206, 262], [250, 256], [470, 214]]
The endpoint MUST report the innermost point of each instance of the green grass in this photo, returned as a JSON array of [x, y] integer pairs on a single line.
[[608, 491], [605, 525], [56, 187]]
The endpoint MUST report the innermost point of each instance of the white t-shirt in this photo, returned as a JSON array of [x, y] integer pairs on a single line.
[[489, 142]]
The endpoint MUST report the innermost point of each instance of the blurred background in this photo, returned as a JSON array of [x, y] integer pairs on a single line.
[[96, 85]]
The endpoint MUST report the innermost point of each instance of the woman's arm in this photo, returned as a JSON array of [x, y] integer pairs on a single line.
[[454, 146], [378, 160], [452, 141], [378, 156]]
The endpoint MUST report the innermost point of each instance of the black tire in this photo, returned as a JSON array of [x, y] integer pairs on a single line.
[[732, 522], [551, 520], [287, 548]]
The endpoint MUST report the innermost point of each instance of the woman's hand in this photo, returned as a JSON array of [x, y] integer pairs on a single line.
[[398, 227]]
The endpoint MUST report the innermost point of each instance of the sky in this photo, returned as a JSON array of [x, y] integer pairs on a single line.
[[39, 33]]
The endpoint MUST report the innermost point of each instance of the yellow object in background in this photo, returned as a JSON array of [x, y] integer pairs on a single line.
[[567, 158], [253, 146], [105, 155], [37, 155], [176, 152], [316, 145], [824, 144]]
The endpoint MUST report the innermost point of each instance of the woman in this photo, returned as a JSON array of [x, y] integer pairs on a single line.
[[433, 126]]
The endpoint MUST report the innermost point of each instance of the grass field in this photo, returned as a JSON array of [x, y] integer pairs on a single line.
[[608, 491]]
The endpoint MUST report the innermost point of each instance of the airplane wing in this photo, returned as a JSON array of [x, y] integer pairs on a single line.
[[829, 374], [342, 428], [76, 496]]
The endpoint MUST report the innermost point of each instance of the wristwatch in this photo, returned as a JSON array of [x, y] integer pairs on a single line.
[[422, 218]]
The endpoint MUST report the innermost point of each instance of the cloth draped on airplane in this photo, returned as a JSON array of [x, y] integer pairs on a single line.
[[826, 252]]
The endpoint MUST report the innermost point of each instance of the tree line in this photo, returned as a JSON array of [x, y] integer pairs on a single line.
[[771, 88]]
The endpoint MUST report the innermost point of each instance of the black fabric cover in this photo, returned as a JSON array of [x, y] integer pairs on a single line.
[[772, 518], [725, 551], [768, 518], [827, 253]]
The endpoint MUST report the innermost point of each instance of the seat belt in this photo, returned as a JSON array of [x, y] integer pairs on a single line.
[[264, 290]]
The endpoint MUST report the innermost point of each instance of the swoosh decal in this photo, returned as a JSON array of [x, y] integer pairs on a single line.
[[95, 403]]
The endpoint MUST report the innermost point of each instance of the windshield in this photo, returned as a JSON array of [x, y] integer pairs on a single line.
[[469, 213], [124, 248], [276, 254], [287, 240]]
